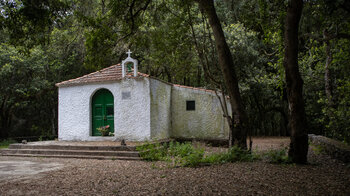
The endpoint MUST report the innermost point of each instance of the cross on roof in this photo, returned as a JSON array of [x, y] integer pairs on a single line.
[[128, 52], [125, 63]]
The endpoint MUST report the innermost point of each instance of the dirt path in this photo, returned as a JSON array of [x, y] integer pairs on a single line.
[[323, 176]]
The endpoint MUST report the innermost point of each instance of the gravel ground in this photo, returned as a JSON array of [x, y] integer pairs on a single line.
[[323, 176]]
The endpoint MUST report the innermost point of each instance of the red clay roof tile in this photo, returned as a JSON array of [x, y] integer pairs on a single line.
[[114, 73]]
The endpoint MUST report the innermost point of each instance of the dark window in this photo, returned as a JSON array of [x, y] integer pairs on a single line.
[[190, 105]]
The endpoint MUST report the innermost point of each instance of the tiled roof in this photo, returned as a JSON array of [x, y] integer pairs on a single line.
[[112, 73], [197, 88], [194, 88]]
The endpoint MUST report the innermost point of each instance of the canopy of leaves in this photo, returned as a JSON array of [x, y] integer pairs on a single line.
[[44, 42]]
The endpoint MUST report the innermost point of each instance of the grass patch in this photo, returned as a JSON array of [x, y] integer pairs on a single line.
[[186, 155], [6, 143]]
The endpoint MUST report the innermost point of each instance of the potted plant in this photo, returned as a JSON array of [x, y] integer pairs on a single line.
[[104, 130]]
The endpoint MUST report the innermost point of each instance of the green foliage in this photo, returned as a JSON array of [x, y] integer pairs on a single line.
[[278, 156], [237, 154], [152, 152], [186, 155], [29, 22], [216, 158], [338, 126], [6, 143], [180, 149], [234, 154], [28, 96], [45, 42], [170, 53], [326, 117]]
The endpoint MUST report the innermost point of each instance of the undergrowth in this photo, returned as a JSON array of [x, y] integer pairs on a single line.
[[279, 156], [186, 155], [5, 143]]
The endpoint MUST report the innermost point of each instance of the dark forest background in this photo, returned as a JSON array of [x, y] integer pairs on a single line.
[[45, 42]]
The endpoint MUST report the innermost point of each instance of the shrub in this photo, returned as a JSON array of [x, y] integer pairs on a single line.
[[180, 154], [237, 154], [152, 152], [234, 154], [217, 158], [278, 156], [185, 155], [6, 143], [193, 158], [180, 149]]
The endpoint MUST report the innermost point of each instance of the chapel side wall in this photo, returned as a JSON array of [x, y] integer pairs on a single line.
[[160, 109], [131, 115], [205, 122]]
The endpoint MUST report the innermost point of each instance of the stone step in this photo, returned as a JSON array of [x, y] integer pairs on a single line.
[[73, 147], [77, 157], [70, 152]]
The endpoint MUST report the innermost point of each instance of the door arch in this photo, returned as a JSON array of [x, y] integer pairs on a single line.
[[102, 105]]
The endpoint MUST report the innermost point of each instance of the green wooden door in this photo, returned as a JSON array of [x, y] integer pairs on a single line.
[[102, 111]]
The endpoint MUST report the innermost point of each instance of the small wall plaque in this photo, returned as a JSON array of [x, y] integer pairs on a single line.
[[126, 95]]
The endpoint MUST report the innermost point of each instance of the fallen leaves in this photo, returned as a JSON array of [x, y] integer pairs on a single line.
[[323, 176]]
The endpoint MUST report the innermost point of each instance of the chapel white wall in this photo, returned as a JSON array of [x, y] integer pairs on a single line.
[[160, 109], [205, 122], [131, 116]]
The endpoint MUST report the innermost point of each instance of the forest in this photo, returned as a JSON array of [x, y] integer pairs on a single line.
[[44, 42]]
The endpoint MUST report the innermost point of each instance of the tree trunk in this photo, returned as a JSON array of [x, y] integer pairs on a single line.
[[5, 118], [299, 139], [199, 75], [327, 74], [239, 120], [53, 118]]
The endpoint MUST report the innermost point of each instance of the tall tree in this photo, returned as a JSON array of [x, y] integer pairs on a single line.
[[29, 22], [299, 139], [239, 124]]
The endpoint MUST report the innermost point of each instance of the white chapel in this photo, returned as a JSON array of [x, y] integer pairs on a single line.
[[136, 107]]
